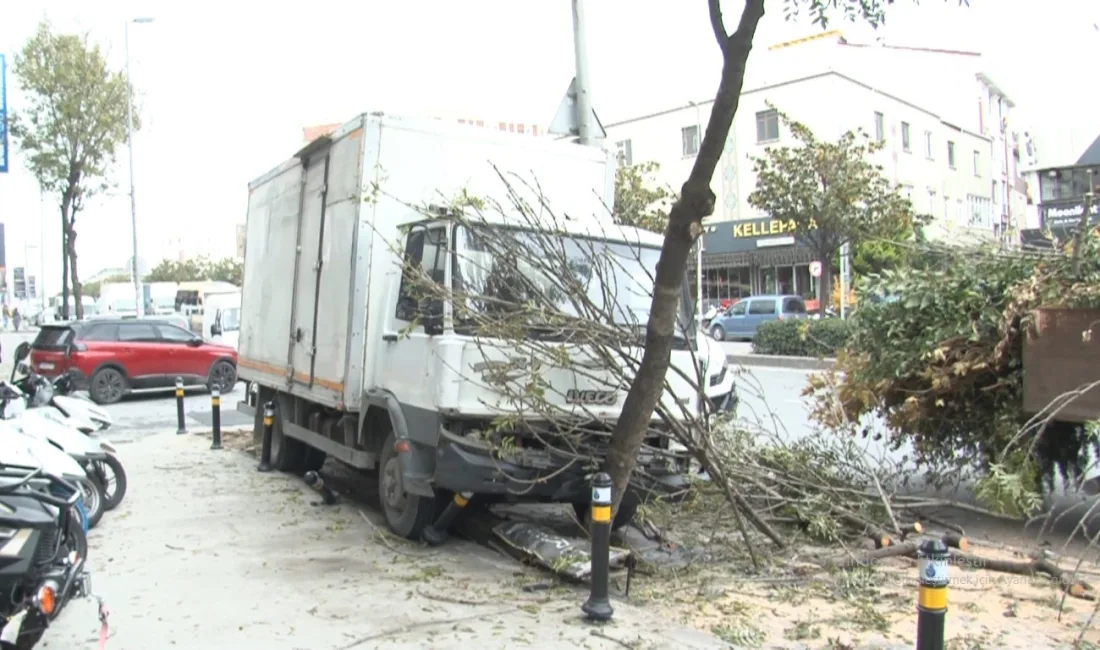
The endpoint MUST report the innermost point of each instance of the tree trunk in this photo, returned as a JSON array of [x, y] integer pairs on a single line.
[[696, 201], [78, 303], [64, 259], [825, 286]]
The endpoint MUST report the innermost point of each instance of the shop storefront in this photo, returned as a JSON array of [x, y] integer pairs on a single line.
[[753, 257], [1062, 218]]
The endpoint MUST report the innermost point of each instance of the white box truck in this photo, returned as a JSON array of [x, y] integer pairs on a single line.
[[323, 335]]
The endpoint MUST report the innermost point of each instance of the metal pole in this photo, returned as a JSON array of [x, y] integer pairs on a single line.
[[133, 200], [41, 284], [585, 127], [843, 278]]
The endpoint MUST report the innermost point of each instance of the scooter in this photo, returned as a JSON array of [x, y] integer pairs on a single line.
[[44, 546], [84, 451], [40, 401], [60, 394]]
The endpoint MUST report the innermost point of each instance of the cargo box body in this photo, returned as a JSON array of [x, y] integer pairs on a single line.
[[322, 230]]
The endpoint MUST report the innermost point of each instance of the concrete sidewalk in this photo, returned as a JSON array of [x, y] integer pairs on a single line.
[[206, 553]]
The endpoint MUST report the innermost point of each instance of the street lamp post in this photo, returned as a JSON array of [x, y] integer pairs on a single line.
[[138, 302]]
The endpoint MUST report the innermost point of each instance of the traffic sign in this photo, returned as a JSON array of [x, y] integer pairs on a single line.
[[815, 269]]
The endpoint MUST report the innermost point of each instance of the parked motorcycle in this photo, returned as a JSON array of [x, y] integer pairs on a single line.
[[84, 451], [44, 547], [40, 399]]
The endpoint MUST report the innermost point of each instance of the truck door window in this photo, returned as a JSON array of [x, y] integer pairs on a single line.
[[425, 250]]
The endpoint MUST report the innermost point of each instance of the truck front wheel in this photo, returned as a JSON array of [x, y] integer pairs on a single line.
[[407, 514]]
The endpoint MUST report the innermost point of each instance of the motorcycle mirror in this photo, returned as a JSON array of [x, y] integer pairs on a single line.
[[22, 351]]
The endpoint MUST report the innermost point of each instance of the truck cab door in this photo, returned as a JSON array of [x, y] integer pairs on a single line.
[[406, 361]]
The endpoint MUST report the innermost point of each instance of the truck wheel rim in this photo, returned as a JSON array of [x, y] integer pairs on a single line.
[[393, 492]]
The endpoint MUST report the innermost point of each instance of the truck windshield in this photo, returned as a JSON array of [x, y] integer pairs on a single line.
[[617, 278]]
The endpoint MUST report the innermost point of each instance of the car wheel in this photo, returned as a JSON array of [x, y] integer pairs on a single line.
[[717, 333], [223, 376], [107, 386]]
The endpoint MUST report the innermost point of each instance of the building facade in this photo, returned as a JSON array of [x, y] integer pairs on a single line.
[[1065, 193], [945, 169]]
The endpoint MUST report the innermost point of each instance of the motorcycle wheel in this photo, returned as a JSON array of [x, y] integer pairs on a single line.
[[92, 495], [103, 473]]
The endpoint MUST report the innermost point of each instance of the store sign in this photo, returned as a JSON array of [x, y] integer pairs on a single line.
[[766, 227], [1067, 215]]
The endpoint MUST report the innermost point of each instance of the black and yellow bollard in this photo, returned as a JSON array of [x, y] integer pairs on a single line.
[[932, 556], [181, 426], [598, 605], [436, 533], [265, 448], [216, 418]]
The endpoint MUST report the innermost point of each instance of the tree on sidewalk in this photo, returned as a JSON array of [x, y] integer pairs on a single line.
[[831, 192], [69, 130], [695, 202]]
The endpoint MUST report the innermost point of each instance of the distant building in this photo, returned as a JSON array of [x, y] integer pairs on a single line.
[[1062, 193], [311, 133], [948, 146]]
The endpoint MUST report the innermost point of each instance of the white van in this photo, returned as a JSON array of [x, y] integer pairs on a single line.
[[221, 318]]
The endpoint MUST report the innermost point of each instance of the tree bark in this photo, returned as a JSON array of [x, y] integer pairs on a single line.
[[70, 238], [825, 286], [696, 201]]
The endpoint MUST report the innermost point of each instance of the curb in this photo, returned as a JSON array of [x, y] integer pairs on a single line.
[[774, 361]]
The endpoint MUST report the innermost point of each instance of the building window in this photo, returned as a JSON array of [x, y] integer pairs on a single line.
[[977, 163], [980, 211], [880, 126], [932, 203], [928, 145], [767, 126], [624, 153], [907, 191], [905, 146], [690, 138], [951, 154]]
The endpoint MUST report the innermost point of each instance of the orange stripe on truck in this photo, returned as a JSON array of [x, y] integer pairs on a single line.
[[280, 372]]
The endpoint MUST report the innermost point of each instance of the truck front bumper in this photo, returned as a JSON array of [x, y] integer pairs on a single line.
[[535, 475]]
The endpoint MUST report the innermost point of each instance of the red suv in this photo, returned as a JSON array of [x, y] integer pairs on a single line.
[[110, 358]]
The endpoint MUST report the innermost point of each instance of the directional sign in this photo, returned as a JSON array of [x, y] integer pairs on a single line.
[[815, 269]]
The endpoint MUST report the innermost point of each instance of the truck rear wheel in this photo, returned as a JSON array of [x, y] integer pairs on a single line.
[[407, 514], [286, 452]]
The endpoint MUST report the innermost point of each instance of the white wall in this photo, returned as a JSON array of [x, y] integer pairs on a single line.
[[829, 104]]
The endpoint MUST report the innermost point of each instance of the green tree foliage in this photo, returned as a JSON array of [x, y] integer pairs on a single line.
[[93, 288], [197, 269], [69, 128], [831, 192], [942, 365], [639, 200]]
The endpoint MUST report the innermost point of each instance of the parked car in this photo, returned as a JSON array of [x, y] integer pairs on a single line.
[[111, 358], [743, 317]]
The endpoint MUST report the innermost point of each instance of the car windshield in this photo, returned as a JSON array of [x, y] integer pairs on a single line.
[[617, 278]]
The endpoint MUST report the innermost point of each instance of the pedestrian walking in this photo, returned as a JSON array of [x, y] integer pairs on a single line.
[[16, 318], [7, 315]]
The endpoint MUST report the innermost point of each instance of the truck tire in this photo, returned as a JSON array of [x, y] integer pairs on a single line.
[[286, 452], [623, 517], [406, 514], [313, 459]]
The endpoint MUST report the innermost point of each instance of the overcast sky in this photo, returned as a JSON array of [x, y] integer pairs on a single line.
[[225, 88]]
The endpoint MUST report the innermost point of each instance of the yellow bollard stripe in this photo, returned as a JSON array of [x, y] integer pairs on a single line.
[[215, 401], [461, 501], [268, 421], [601, 514], [179, 392], [932, 597]]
